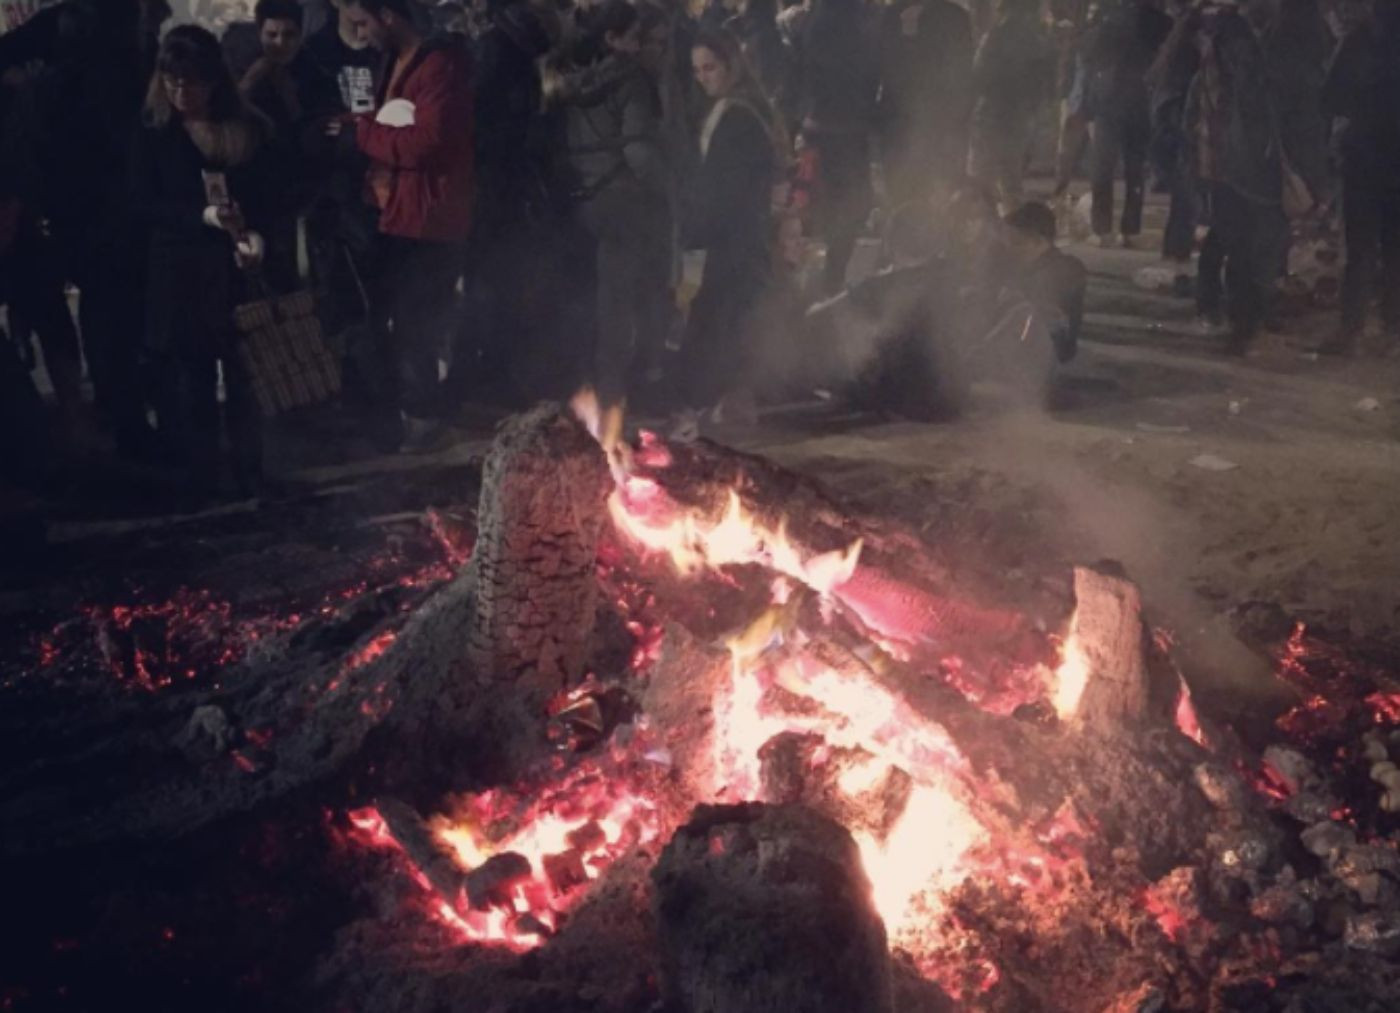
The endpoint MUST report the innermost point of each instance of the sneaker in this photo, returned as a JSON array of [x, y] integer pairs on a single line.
[[1211, 324], [1103, 241], [1127, 242]]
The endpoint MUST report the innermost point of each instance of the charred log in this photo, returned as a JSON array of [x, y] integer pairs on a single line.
[[542, 508], [766, 909]]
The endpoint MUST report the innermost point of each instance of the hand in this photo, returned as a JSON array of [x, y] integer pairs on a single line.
[[260, 68], [335, 126], [248, 251], [228, 217]]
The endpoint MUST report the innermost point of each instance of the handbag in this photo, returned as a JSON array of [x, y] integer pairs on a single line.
[[280, 343]]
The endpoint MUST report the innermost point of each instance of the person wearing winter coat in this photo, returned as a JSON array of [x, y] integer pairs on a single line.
[[839, 80], [204, 186], [95, 59], [1169, 80], [925, 100], [1237, 155], [421, 177], [727, 216], [513, 200], [619, 177], [769, 57], [1363, 86], [1121, 45], [1013, 81]]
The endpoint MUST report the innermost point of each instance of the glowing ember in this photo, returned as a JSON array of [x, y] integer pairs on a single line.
[[1187, 722], [568, 833], [923, 853]]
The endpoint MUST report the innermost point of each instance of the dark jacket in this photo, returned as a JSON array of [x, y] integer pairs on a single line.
[[728, 210], [1297, 49], [1013, 74], [1120, 47], [838, 69], [313, 94], [430, 163], [768, 56], [508, 111], [925, 68], [1232, 124], [613, 129], [1363, 86], [193, 281], [97, 62], [1055, 283]]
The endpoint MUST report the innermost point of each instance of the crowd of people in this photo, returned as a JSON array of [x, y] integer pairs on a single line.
[[498, 198]]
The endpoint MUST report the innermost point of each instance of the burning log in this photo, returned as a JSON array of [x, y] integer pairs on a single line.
[[422, 847], [766, 909], [1103, 679]]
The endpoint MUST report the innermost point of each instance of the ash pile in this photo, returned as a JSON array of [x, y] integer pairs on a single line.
[[684, 734]]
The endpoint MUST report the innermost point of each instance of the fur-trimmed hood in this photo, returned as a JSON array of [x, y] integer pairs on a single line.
[[230, 143]]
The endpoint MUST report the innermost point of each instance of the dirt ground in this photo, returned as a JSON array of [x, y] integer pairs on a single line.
[[1300, 514]]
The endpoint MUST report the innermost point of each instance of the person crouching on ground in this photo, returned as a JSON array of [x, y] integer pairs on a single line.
[[419, 144], [203, 183], [1053, 281]]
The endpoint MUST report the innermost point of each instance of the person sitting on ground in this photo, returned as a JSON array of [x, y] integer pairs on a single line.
[[892, 339], [1053, 281]]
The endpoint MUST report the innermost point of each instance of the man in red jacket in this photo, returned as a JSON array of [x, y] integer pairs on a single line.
[[419, 143]]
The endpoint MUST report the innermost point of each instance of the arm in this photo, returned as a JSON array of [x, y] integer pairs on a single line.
[[441, 105], [640, 127]]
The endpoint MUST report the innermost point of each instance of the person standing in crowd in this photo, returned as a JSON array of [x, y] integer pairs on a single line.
[[613, 137], [1169, 80], [1363, 87], [1121, 46], [96, 58], [1235, 151], [342, 51], [340, 224], [284, 84], [203, 186], [925, 98], [1012, 79], [839, 81], [1073, 133], [727, 215], [767, 54], [513, 200], [419, 144]]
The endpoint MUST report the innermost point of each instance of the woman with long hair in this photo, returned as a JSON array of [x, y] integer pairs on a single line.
[[203, 187], [728, 216]]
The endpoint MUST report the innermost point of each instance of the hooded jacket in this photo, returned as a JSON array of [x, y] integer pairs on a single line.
[[430, 162]]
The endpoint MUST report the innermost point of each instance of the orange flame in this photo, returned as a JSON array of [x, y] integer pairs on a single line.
[[1071, 677]]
